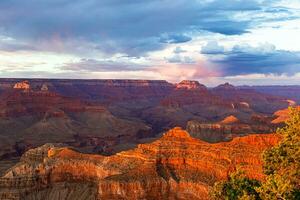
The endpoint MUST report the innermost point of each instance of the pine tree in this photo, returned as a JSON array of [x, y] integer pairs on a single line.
[[237, 187], [282, 163]]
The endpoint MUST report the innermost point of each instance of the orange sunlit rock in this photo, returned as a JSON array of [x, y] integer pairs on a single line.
[[24, 85], [176, 166]]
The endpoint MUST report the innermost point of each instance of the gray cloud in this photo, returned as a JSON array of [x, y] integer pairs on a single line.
[[263, 59], [16, 47], [121, 26], [178, 50], [181, 59], [92, 65], [133, 28], [212, 47], [175, 39]]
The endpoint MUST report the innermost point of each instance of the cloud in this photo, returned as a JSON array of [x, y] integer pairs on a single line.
[[10, 45], [179, 50], [121, 26], [177, 71], [212, 47], [262, 59], [81, 75], [226, 27], [181, 59], [175, 39], [260, 79], [260, 49], [92, 65], [93, 37]]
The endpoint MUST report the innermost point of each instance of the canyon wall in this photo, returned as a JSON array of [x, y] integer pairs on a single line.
[[109, 116], [176, 166]]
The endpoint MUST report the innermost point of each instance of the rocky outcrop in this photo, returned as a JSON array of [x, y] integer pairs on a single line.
[[230, 120], [44, 87], [225, 86], [215, 132], [24, 85], [225, 130], [192, 92], [187, 84], [281, 116], [291, 102], [176, 166]]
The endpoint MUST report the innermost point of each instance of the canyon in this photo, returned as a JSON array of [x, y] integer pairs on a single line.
[[115, 139], [175, 166], [109, 116]]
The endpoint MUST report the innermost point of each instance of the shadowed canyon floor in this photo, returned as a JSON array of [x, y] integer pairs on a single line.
[[176, 166]]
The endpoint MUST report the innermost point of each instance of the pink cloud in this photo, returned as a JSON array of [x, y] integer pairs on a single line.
[[176, 72]]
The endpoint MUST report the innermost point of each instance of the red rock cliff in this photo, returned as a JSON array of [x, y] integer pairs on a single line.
[[176, 166]]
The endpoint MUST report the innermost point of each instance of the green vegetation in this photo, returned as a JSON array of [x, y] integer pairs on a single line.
[[238, 186], [281, 165]]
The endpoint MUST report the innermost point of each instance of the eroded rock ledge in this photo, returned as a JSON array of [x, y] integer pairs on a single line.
[[176, 166]]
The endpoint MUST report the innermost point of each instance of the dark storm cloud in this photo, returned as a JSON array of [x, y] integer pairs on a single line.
[[133, 27], [226, 27], [175, 39], [277, 62], [263, 59]]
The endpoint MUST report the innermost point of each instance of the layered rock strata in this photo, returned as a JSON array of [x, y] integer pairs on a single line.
[[176, 166]]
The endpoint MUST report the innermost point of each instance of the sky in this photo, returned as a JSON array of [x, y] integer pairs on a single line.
[[253, 42]]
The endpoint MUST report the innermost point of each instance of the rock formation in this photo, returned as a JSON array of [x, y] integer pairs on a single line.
[[108, 116], [187, 84], [228, 128], [248, 99], [44, 87], [24, 85], [225, 86], [230, 120], [281, 116], [176, 166], [192, 92], [36, 117]]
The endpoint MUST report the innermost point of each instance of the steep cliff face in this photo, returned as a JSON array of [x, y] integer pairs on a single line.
[[176, 166], [229, 128]]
